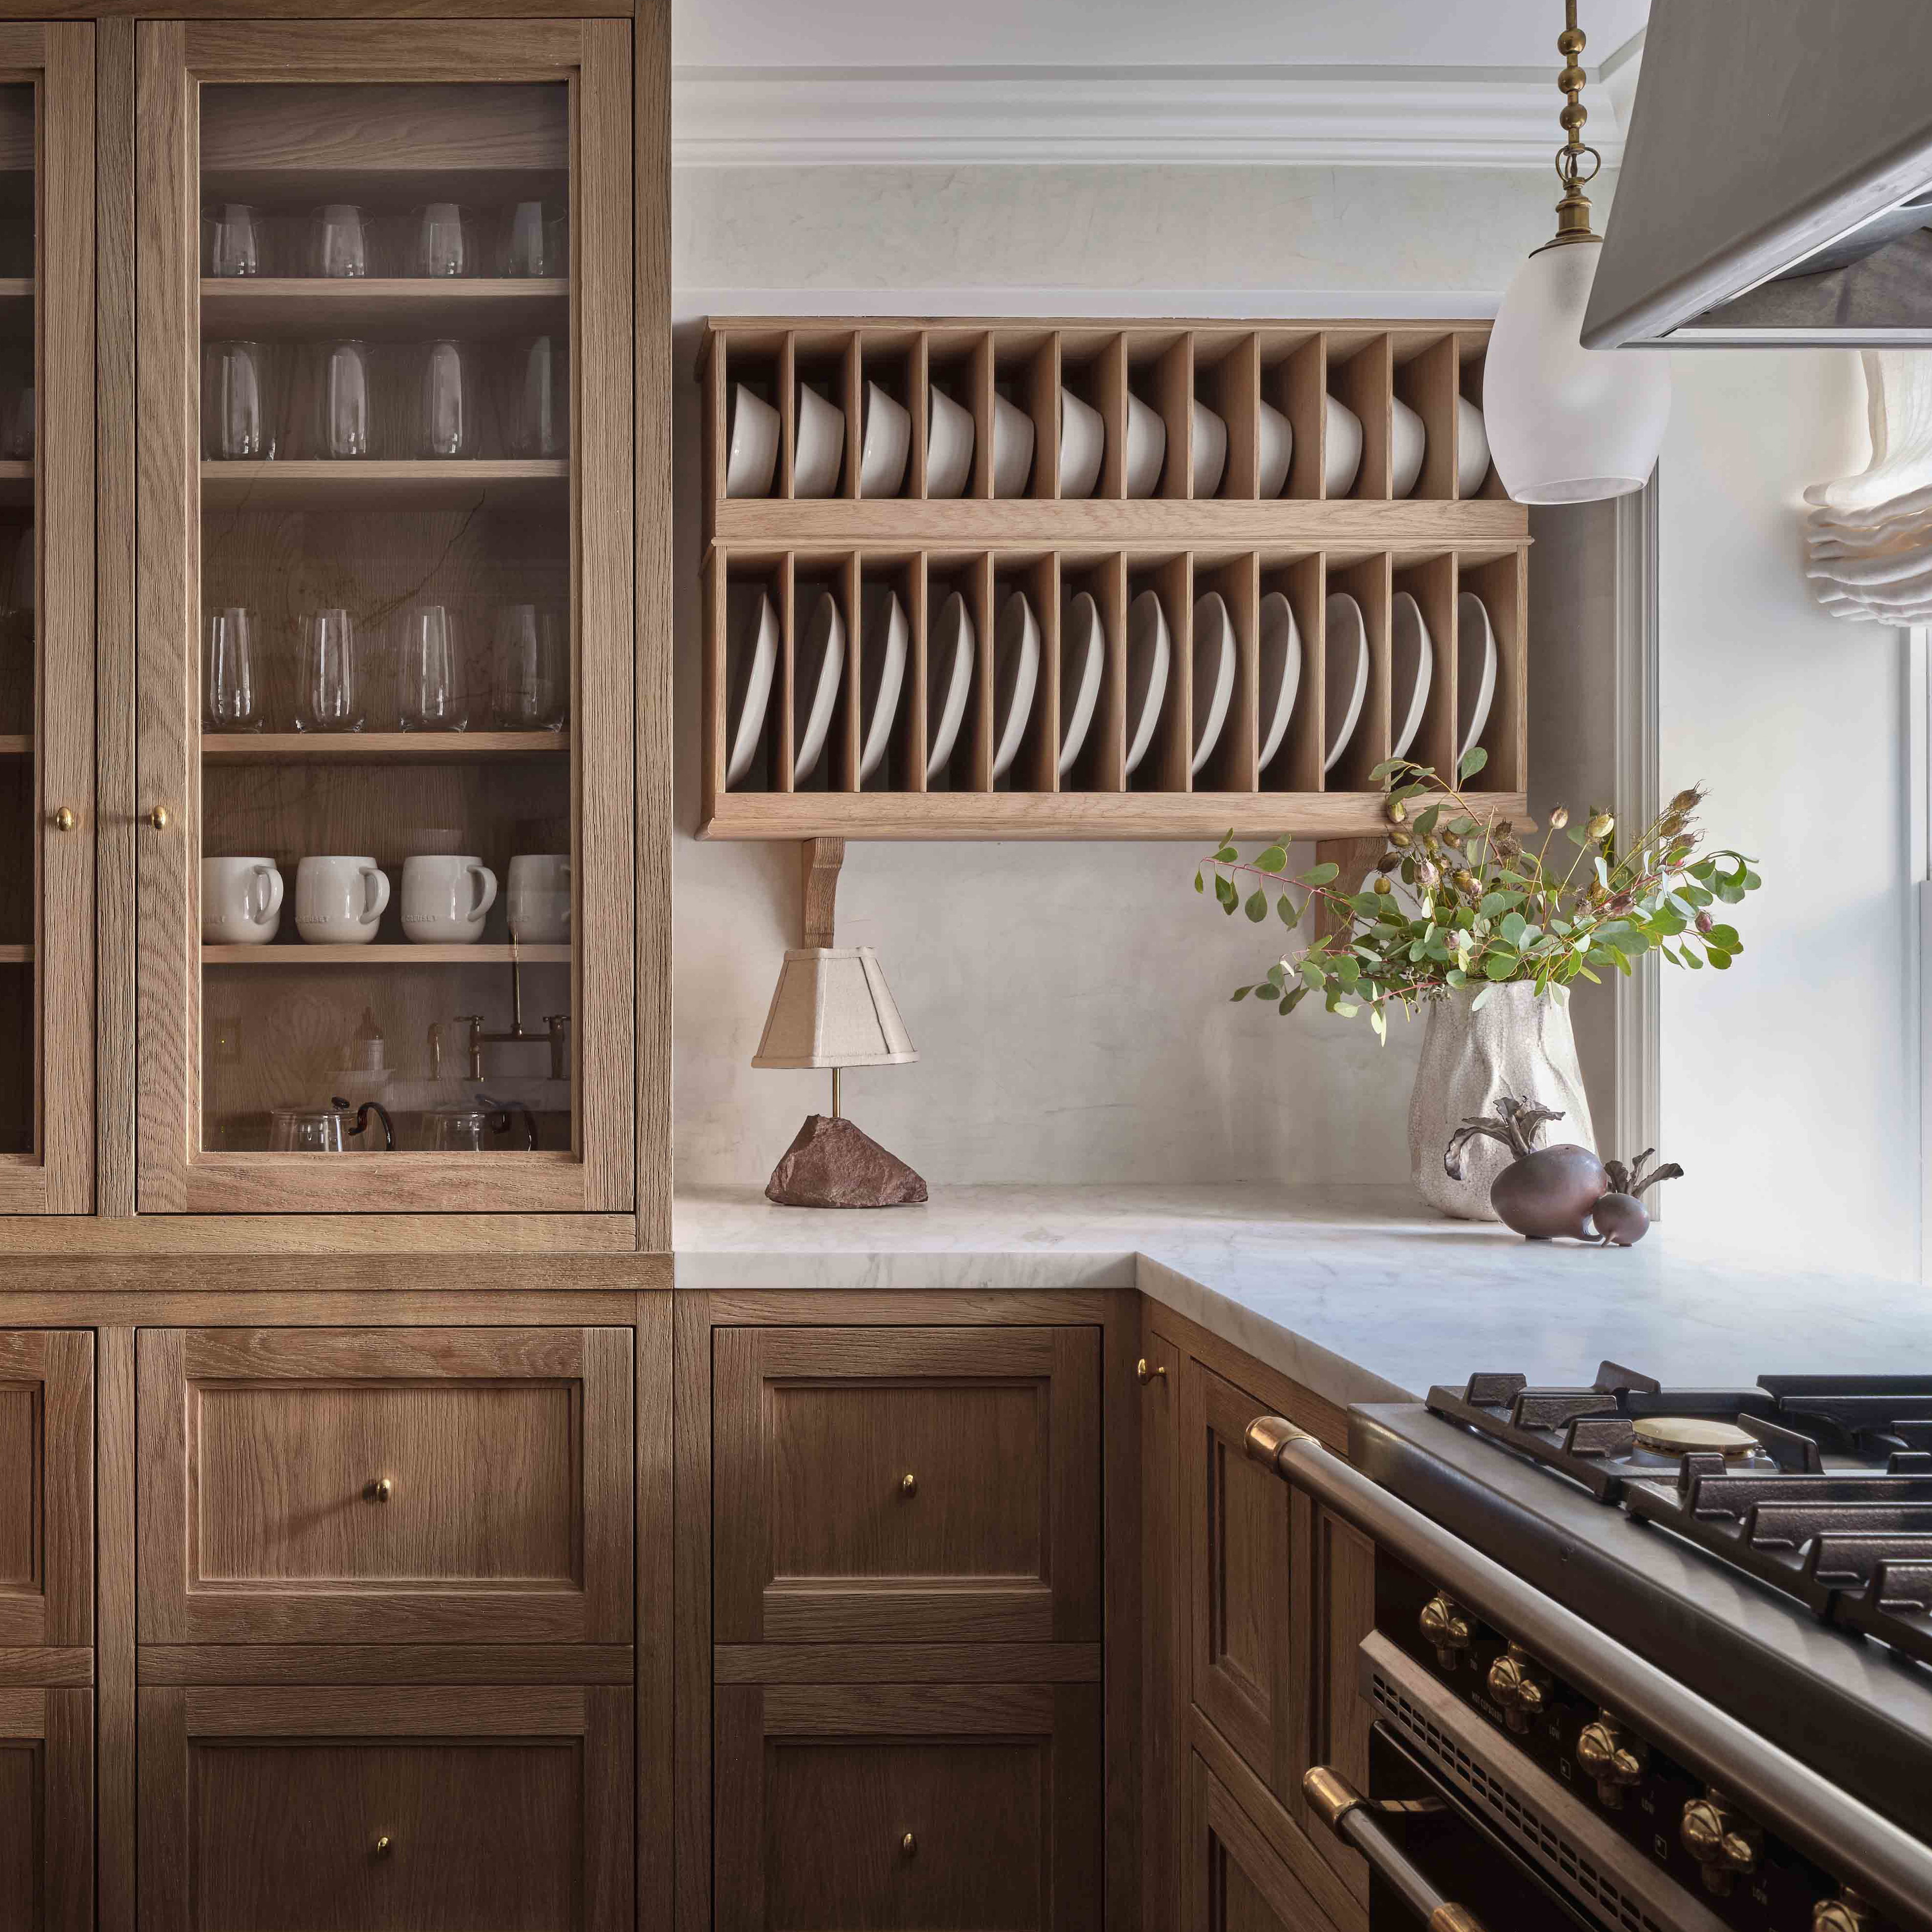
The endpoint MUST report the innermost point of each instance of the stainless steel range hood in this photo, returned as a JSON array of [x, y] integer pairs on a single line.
[[1774, 155]]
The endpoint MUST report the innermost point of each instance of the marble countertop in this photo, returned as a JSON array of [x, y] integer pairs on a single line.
[[1356, 1293]]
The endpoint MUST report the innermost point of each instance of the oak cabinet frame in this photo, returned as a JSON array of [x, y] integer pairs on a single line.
[[46, 1498], [49, 1735]]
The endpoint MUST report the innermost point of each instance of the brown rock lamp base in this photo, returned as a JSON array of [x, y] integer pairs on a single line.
[[832, 1164]]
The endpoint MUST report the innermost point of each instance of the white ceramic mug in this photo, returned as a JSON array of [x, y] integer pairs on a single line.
[[1147, 447], [949, 445], [1210, 449], [886, 444], [820, 446], [1408, 443], [1276, 451], [1083, 443], [339, 901], [445, 898], [1343, 428], [752, 450], [540, 898], [241, 902], [1012, 447]]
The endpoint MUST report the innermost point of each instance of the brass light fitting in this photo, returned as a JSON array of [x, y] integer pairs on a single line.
[[1573, 211]]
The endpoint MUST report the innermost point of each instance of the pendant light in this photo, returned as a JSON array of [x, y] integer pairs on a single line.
[[1568, 425]]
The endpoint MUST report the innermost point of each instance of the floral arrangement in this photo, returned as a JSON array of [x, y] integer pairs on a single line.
[[1458, 899]]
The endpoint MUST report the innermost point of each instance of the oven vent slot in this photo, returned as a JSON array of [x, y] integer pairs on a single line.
[[1515, 1821]]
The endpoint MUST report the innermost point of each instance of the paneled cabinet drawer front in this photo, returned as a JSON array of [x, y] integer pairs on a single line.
[[46, 1488], [370, 1485], [46, 1809], [938, 1806], [906, 1485], [1235, 1881], [387, 1809]]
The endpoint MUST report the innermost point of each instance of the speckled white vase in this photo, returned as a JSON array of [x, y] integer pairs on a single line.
[[1516, 1044]]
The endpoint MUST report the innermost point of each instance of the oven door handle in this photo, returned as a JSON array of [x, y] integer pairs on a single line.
[[1352, 1818]]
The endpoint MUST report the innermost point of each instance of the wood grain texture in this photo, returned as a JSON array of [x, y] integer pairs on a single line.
[[385, 1297], [364, 1663], [656, 1628], [1236, 1881], [1302, 1406], [1122, 1413], [46, 1809], [877, 1663], [691, 1423], [114, 1632], [146, 1241], [898, 1308], [286, 50], [68, 1667], [106, 11], [1164, 1580], [46, 1488]]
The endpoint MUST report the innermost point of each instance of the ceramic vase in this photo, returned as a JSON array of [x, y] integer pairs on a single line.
[[1515, 1043]]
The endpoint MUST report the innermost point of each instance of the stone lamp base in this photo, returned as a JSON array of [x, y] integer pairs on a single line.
[[832, 1164]]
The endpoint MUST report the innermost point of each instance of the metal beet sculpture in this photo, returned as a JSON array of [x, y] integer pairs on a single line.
[[1550, 1191]]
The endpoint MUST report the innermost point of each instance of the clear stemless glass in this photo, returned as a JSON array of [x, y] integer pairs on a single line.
[[341, 247], [344, 399], [16, 433], [449, 417], [533, 669], [533, 241], [443, 245], [232, 704], [234, 402], [433, 697], [537, 413], [235, 240], [329, 701]]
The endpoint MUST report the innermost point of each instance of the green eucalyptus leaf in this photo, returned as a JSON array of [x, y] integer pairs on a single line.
[[1470, 763], [1240, 993], [1272, 860], [1323, 875], [1257, 905]]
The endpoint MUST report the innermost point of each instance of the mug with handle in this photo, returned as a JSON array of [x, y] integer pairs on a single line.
[[241, 902], [339, 901], [446, 898], [540, 898]]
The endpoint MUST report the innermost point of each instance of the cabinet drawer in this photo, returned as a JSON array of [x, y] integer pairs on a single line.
[[299, 1809], [396, 1485], [46, 1488], [997, 1787], [1235, 1881], [46, 1809], [908, 1484]]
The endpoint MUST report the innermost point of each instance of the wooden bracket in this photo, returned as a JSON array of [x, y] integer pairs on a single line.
[[819, 860], [1356, 858]]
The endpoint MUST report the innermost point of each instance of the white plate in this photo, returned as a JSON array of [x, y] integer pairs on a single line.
[[1149, 652], [1472, 447], [1345, 661], [886, 444], [1214, 673], [751, 447], [754, 658], [1277, 450], [1412, 657], [1083, 650], [820, 667], [1475, 672], [1408, 444], [883, 638], [1015, 673], [949, 445], [1280, 672], [949, 679]]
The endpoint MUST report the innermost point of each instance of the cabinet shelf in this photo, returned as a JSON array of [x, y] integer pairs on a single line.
[[383, 483], [376, 748], [378, 308], [299, 955], [16, 482], [16, 745], [17, 955]]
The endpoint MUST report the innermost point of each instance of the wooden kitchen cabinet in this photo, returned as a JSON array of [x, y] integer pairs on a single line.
[[46, 1809], [46, 1493], [1234, 1880]]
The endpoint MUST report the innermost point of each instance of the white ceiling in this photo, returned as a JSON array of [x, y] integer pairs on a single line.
[[1488, 34]]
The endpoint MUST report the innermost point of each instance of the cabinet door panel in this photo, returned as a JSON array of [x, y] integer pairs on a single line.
[[420, 1811], [46, 1488], [1235, 1881], [907, 1484], [819, 1788], [407, 1485], [46, 1809]]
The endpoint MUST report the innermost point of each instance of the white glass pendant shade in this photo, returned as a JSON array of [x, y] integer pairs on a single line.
[[1568, 425]]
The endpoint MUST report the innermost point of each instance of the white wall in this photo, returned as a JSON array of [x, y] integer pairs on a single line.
[[1790, 1084]]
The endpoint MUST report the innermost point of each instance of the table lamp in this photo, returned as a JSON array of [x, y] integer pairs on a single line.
[[833, 1009]]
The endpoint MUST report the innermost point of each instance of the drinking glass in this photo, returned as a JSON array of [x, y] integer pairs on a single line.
[[537, 418], [433, 697], [234, 245], [16, 432], [442, 246], [329, 701], [341, 249], [533, 669], [532, 241], [232, 704], [344, 399], [448, 417], [234, 419]]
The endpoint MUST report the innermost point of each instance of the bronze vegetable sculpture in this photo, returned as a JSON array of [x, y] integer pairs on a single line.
[[1620, 1217], [1544, 1192]]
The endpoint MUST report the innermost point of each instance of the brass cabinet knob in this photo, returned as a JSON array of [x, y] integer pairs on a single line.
[[381, 1846], [64, 820], [1847, 1913], [160, 817], [908, 1484], [380, 1490], [1520, 1685], [1146, 1372], [908, 1846], [1723, 1841], [1612, 1756], [1444, 1626]]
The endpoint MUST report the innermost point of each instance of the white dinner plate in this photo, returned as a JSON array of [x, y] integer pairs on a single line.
[[1149, 653], [1280, 672], [751, 447], [1475, 672], [820, 667], [1412, 667], [1083, 651], [883, 640], [1214, 673], [1345, 662], [755, 659], [1016, 673], [949, 679]]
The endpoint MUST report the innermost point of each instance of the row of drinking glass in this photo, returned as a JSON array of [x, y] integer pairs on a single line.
[[239, 416], [342, 240], [530, 681]]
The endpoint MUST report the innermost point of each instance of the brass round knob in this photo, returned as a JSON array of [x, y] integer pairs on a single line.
[[64, 820], [1445, 1626], [908, 1846], [1723, 1841], [1847, 1913], [908, 1484], [380, 1490], [1146, 1372], [160, 817], [1520, 1685], [1612, 1756], [381, 1846]]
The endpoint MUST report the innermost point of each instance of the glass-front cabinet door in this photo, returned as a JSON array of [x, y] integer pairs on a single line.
[[46, 619], [385, 539]]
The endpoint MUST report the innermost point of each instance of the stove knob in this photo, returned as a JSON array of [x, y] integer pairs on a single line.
[[1444, 1626], [1521, 1686], [1847, 1913], [1612, 1756], [1723, 1841]]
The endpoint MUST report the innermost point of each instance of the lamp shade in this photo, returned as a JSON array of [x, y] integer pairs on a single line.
[[1568, 425], [832, 1008]]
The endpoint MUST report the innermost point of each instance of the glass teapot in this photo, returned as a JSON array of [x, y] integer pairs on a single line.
[[467, 1130], [326, 1129]]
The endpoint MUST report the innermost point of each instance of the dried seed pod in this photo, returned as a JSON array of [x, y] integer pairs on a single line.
[[1559, 817], [1688, 799], [1600, 827]]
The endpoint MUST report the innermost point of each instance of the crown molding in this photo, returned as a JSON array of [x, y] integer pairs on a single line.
[[750, 117]]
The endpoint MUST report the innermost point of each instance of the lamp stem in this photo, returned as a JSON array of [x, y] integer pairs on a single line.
[[835, 1092], [1573, 211]]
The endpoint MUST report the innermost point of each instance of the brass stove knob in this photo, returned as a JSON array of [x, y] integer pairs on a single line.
[[1521, 1686], [1444, 1626], [1847, 1913], [1723, 1841], [1612, 1756]]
